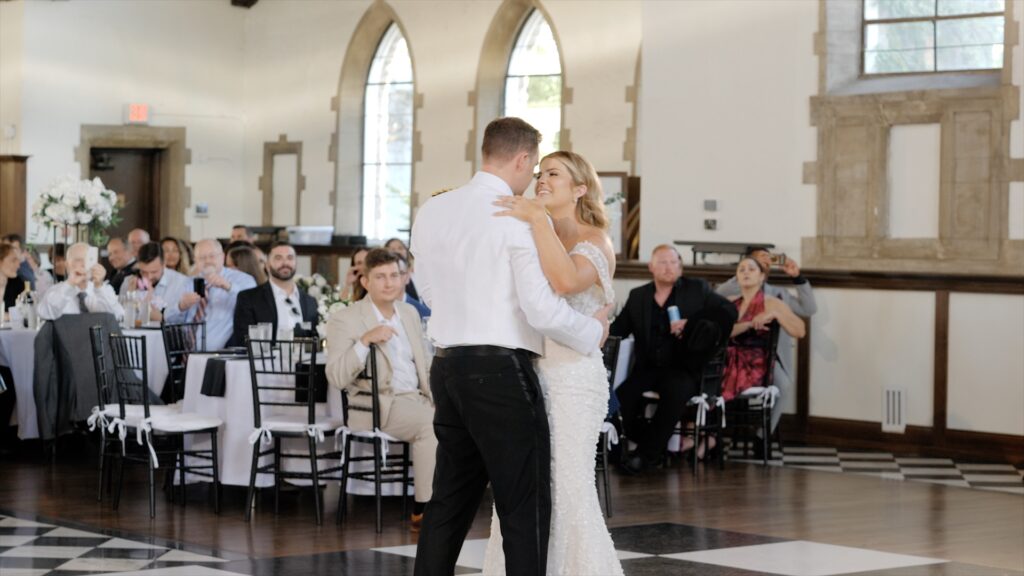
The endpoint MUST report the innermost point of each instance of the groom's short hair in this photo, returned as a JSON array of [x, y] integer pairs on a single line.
[[506, 137]]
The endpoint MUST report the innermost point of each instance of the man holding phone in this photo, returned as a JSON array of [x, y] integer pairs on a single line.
[[85, 290], [164, 287], [214, 293]]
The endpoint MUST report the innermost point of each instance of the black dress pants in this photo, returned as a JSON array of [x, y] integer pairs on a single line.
[[675, 386], [491, 425]]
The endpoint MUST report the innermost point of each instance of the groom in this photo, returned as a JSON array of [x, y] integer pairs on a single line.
[[491, 307]]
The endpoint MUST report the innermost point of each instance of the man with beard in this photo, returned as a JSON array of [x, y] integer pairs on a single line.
[[278, 301]]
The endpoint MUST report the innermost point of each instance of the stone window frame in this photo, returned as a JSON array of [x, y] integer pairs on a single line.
[[851, 170], [487, 100], [270, 149], [346, 147]]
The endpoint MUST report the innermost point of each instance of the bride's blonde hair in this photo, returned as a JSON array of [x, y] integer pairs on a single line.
[[590, 206]]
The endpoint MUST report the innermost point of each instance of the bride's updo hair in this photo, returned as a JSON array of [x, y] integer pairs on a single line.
[[590, 206]]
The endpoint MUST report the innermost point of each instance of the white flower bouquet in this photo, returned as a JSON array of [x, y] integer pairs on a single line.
[[328, 297], [70, 202]]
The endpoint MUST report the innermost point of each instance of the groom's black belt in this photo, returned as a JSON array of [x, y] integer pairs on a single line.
[[484, 350]]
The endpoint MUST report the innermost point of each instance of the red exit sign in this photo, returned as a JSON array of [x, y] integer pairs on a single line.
[[136, 113]]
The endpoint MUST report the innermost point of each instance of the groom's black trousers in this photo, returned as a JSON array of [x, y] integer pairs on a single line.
[[491, 425]]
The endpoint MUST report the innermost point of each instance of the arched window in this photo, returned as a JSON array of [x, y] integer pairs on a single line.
[[387, 139], [533, 85]]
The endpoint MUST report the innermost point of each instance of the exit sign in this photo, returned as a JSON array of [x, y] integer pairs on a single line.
[[136, 113]]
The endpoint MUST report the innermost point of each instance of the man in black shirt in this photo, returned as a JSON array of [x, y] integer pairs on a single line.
[[661, 357]]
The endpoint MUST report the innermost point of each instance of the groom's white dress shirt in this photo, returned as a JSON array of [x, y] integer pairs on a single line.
[[481, 276]]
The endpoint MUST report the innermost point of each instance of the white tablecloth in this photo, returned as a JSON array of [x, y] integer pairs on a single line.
[[17, 352], [235, 409]]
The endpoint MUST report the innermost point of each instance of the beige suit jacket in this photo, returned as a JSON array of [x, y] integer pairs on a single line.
[[344, 329]]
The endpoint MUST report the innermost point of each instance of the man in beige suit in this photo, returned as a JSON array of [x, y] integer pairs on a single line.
[[406, 405]]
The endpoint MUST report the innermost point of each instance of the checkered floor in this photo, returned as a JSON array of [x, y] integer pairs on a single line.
[[32, 548], [995, 477]]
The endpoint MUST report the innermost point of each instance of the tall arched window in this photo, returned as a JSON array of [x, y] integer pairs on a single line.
[[533, 85], [387, 139]]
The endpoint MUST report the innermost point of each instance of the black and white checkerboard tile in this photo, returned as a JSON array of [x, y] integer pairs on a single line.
[[994, 477], [30, 548], [35, 548]]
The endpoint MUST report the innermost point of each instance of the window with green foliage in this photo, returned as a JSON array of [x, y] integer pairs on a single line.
[[387, 139], [533, 85], [914, 36]]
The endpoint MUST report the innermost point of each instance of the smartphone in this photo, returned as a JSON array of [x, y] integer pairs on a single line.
[[778, 259], [199, 286], [92, 258]]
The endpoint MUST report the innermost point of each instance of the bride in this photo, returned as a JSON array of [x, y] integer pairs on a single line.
[[578, 259]]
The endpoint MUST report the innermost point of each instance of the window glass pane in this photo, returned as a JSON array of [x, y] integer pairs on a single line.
[[884, 9], [387, 139], [970, 43], [895, 48], [386, 206], [533, 87], [958, 7]]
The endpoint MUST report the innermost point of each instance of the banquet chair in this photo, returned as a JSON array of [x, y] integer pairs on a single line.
[[284, 384], [609, 431], [710, 408], [180, 340], [387, 468], [106, 408], [750, 412], [155, 422]]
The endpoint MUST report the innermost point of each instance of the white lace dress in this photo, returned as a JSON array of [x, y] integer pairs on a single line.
[[576, 396]]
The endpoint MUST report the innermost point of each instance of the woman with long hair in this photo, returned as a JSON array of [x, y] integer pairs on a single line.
[[177, 255], [245, 259]]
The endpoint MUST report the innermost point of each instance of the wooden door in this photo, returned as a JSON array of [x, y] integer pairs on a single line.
[[134, 175]]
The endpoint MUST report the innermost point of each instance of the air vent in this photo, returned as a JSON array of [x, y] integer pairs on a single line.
[[894, 410]]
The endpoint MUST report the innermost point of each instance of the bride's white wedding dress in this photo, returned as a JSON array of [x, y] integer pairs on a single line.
[[576, 396]]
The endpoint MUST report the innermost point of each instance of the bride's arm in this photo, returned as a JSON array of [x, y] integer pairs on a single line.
[[567, 274]]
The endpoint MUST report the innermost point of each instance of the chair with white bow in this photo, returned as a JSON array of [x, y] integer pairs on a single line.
[[155, 425], [710, 417], [106, 408], [611, 426], [388, 467], [285, 386], [180, 341], [750, 412]]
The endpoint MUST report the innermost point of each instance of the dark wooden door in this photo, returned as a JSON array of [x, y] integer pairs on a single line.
[[134, 175]]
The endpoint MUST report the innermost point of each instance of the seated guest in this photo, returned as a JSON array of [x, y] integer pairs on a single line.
[[122, 262], [60, 272], [406, 406], [421, 308], [660, 356], [164, 287], [242, 233], [217, 305], [801, 303], [398, 247], [177, 255], [85, 290], [137, 238], [280, 301], [244, 259], [11, 286], [352, 290], [25, 269]]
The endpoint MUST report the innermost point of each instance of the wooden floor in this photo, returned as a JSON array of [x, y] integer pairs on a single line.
[[962, 525]]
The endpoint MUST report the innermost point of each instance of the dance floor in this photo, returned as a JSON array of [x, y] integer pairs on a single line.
[[740, 521]]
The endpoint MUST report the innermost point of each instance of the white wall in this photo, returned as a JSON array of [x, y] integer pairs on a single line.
[[986, 372], [914, 170], [11, 17], [863, 341], [725, 100], [82, 61]]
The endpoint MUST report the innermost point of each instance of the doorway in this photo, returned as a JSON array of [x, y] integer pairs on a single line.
[[134, 175]]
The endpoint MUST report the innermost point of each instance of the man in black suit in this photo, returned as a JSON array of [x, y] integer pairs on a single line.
[[278, 301], [663, 360]]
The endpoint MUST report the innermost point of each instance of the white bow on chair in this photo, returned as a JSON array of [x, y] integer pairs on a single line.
[[146, 427], [613, 434], [341, 434], [122, 430], [262, 435], [720, 404], [701, 402], [315, 431], [97, 418]]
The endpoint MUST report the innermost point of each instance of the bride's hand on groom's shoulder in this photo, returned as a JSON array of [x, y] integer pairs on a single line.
[[526, 209]]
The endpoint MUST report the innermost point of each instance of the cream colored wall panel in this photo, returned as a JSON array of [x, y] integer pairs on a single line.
[[986, 363], [1016, 226], [726, 115], [863, 341], [11, 25], [914, 151]]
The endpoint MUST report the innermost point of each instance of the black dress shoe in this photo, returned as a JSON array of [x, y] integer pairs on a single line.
[[633, 465]]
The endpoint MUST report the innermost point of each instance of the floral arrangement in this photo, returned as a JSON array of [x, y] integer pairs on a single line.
[[68, 201], [328, 297]]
